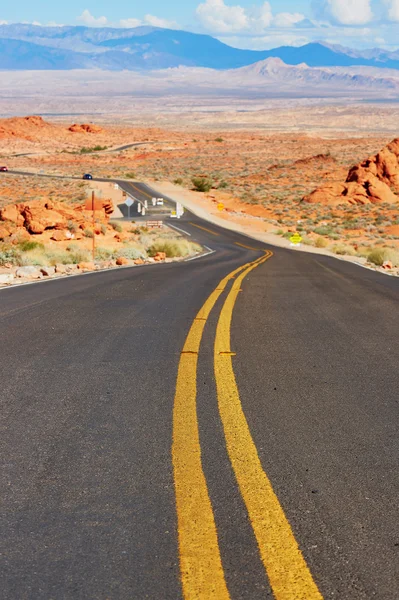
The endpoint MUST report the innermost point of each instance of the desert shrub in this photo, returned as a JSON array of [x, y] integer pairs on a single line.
[[72, 226], [222, 185], [219, 139], [173, 248], [88, 233], [178, 181], [9, 255], [201, 184], [132, 253], [321, 242], [130, 175], [342, 250], [97, 148], [378, 256], [28, 245], [104, 229], [104, 253], [323, 230], [77, 256], [117, 227]]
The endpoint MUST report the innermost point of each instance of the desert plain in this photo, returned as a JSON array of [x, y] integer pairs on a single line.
[[261, 159]]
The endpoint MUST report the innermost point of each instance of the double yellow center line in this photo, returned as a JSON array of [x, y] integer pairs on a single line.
[[201, 566]]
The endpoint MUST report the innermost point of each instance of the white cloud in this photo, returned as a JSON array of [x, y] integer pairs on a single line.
[[130, 23], [3, 22], [393, 9], [287, 19], [218, 17], [344, 12], [157, 22], [87, 18], [148, 20], [215, 15]]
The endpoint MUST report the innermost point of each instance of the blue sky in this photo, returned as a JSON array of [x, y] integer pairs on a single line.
[[241, 23]]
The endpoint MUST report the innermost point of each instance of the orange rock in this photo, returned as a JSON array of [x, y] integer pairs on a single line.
[[387, 265], [139, 261], [85, 128], [12, 214], [159, 256], [121, 260], [4, 232], [36, 227], [58, 236], [121, 236], [86, 266]]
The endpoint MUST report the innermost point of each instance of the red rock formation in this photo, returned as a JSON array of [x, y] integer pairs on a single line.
[[85, 128], [37, 216], [372, 181]]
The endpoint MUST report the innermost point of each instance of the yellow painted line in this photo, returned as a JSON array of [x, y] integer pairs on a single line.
[[285, 565], [331, 271], [204, 228], [201, 568], [139, 190], [248, 247]]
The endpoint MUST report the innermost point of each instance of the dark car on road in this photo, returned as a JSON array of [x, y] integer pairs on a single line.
[[4, 169], [87, 176]]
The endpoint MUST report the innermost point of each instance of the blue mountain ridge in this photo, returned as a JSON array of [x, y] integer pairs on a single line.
[[24, 47]]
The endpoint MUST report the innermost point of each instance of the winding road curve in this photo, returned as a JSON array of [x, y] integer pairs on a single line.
[[220, 428]]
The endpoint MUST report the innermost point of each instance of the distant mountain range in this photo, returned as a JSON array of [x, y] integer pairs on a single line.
[[32, 47]]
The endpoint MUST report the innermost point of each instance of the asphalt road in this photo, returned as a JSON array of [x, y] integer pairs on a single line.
[[144, 461]]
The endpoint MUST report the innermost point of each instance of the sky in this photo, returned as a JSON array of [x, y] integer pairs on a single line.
[[240, 23]]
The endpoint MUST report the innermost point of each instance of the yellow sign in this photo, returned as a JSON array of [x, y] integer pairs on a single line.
[[220, 206], [296, 239]]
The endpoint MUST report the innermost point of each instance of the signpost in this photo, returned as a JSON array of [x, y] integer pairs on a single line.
[[296, 239], [220, 206], [92, 205], [129, 202]]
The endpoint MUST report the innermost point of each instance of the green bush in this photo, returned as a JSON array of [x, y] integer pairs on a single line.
[[28, 245], [85, 150], [130, 175], [219, 139], [104, 229], [178, 181], [88, 233], [117, 227], [201, 184]]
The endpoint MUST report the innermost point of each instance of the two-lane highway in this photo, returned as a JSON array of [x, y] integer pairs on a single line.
[[220, 428]]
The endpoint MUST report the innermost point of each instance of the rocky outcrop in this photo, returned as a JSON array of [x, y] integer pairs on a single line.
[[40, 215], [85, 128], [374, 181]]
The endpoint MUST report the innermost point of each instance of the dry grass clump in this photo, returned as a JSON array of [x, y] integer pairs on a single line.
[[378, 256], [174, 248]]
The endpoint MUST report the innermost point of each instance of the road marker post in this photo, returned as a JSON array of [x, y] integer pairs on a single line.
[[138, 207], [220, 206], [154, 201]]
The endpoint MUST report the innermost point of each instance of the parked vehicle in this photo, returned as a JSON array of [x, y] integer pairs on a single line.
[[87, 176], [4, 169], [160, 202]]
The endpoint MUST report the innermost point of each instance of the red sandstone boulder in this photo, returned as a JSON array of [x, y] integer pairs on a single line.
[[121, 260]]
